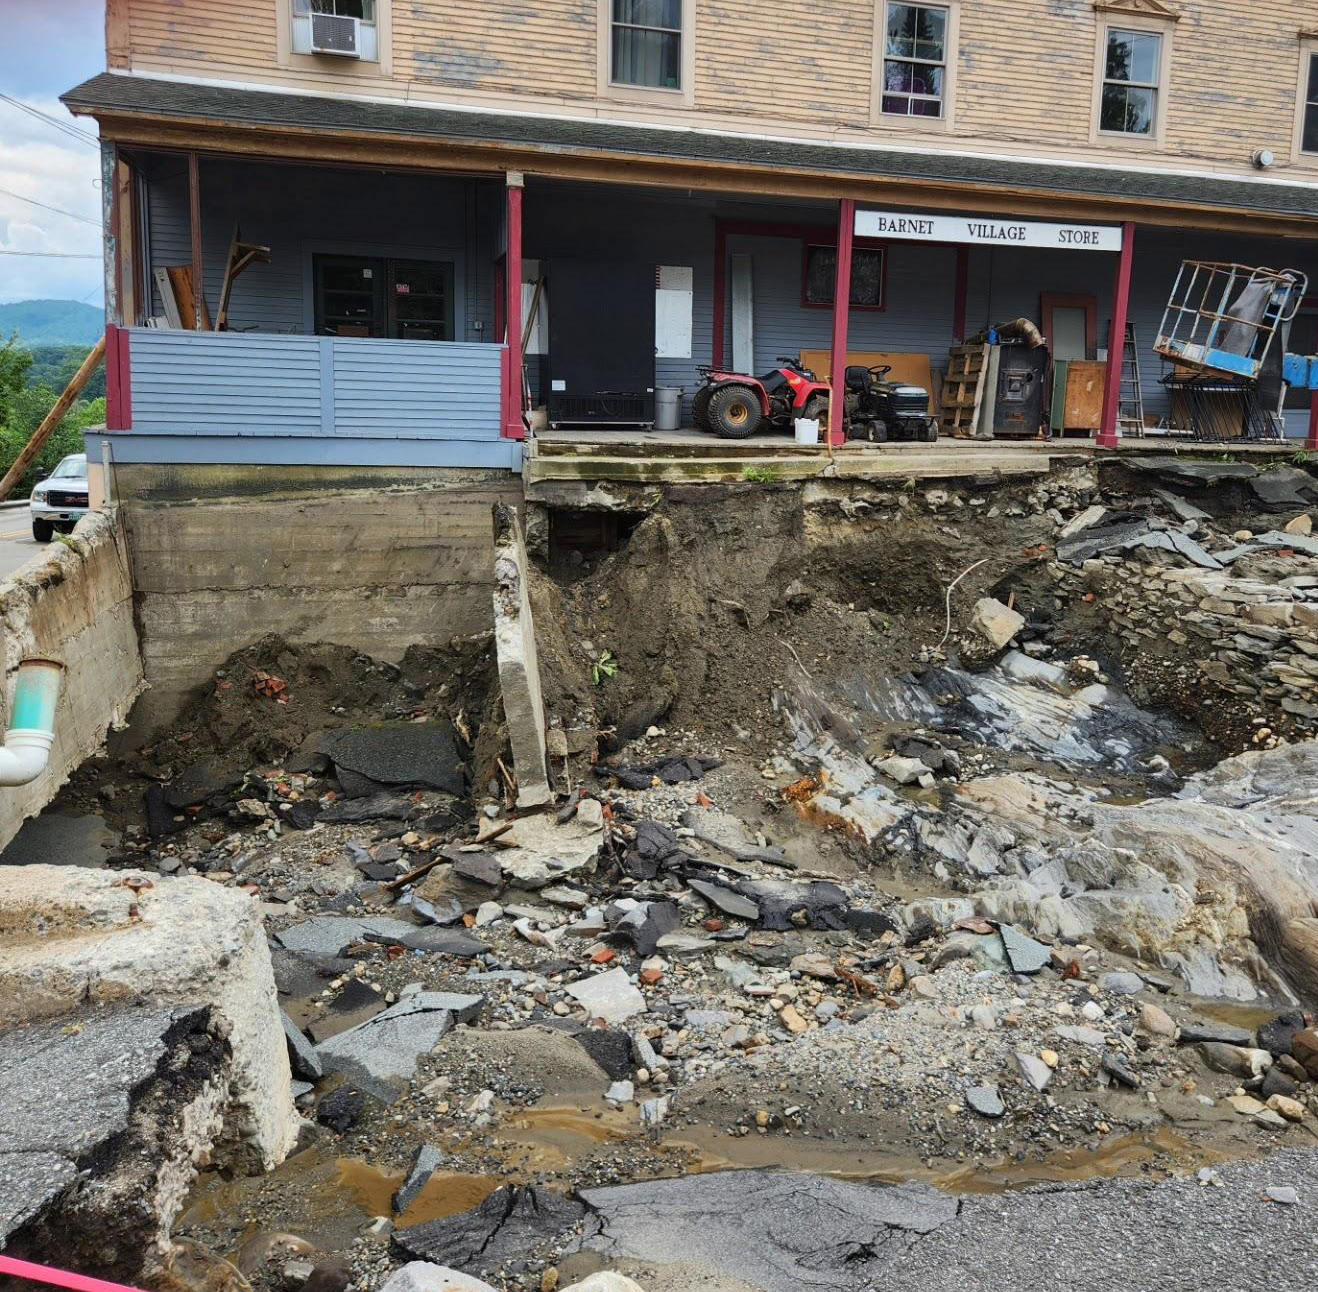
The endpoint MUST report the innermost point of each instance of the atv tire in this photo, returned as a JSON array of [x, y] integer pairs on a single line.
[[700, 408], [733, 412]]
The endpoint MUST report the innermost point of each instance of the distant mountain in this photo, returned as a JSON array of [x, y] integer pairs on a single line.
[[52, 322]]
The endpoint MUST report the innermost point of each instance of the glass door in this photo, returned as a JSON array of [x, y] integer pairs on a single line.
[[349, 296], [420, 298]]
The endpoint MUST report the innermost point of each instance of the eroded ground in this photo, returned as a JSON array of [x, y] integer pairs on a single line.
[[849, 874]]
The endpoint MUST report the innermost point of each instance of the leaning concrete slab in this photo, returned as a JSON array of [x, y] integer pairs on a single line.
[[71, 937], [73, 603], [519, 669]]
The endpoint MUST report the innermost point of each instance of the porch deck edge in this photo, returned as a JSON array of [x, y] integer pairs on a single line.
[[127, 447]]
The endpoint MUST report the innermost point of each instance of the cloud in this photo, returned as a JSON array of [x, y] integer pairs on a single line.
[[39, 162]]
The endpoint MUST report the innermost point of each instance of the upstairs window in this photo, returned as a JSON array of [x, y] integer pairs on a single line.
[[366, 39], [1309, 124], [645, 44], [915, 60], [1129, 104]]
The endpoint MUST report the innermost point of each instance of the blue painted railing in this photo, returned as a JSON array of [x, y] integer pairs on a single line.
[[253, 397]]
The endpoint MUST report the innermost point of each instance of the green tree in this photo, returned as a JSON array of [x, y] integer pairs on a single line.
[[25, 412], [15, 360]]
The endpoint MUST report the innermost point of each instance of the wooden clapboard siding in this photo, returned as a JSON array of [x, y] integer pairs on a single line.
[[509, 46], [200, 32], [794, 59]]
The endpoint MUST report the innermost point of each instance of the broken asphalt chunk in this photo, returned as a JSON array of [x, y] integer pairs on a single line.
[[781, 1231], [644, 924], [787, 905], [380, 1055], [725, 899], [302, 1056], [504, 1228], [445, 942], [425, 1162], [986, 1101], [400, 753], [327, 935]]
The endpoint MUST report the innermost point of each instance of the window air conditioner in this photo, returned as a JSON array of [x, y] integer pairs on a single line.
[[333, 33]]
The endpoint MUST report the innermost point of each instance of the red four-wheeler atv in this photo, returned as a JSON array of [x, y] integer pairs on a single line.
[[734, 405]]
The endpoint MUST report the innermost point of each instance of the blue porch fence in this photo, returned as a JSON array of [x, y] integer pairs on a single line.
[[254, 398]]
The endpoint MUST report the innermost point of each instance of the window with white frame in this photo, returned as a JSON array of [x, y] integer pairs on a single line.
[[1131, 74], [915, 60], [1309, 123], [359, 15], [645, 43]]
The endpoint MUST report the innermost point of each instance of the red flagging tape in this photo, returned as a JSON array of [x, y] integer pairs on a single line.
[[58, 1278]]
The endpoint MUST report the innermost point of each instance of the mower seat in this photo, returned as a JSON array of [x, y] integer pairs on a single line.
[[857, 378]]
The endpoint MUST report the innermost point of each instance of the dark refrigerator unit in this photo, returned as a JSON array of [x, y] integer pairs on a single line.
[[601, 343]]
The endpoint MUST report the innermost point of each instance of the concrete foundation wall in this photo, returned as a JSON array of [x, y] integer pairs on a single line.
[[73, 604], [379, 561]]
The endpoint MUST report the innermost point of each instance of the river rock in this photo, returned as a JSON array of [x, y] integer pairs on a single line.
[[425, 1276], [1304, 1049], [1156, 1021], [1277, 1035]]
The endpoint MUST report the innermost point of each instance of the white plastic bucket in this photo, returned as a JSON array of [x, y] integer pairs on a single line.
[[807, 430]]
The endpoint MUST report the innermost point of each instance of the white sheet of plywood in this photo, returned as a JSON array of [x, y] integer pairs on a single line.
[[674, 293], [743, 312]]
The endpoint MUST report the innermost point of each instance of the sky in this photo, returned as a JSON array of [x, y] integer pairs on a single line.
[[47, 47]]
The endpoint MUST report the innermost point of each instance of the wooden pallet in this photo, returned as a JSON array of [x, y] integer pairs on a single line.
[[963, 389]]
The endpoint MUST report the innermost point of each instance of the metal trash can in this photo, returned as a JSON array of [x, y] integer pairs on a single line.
[[667, 408]]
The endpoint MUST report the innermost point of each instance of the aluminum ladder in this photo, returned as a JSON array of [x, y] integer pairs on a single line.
[[1130, 399]]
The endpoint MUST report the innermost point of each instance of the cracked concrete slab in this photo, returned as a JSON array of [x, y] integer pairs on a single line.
[[782, 1231]]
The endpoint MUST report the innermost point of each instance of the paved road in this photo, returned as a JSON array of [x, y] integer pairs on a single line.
[[16, 541]]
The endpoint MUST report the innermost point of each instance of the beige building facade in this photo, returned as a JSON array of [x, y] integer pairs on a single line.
[[1212, 84]]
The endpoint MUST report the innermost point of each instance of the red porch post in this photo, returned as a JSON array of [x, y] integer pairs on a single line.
[[118, 380], [1116, 344], [960, 293], [720, 292], [846, 229], [513, 428], [1311, 441]]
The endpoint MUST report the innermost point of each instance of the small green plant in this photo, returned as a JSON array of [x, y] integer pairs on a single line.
[[605, 666], [760, 475]]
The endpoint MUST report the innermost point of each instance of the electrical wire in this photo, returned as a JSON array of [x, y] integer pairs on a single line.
[[54, 255], [47, 207], [72, 131]]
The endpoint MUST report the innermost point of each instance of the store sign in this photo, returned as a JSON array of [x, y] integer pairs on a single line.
[[983, 231]]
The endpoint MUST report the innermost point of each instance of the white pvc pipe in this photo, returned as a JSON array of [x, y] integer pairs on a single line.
[[27, 744]]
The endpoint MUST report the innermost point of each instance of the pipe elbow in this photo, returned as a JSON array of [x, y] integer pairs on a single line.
[[24, 756], [27, 744]]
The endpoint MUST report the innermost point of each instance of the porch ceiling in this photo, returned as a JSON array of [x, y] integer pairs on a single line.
[[149, 111]]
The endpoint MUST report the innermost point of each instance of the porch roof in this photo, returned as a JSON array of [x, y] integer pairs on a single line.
[[128, 104]]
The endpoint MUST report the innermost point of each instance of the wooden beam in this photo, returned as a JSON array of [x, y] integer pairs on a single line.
[[429, 155], [194, 226], [32, 449]]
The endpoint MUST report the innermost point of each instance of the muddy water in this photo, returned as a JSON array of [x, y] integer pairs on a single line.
[[445, 1194]]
